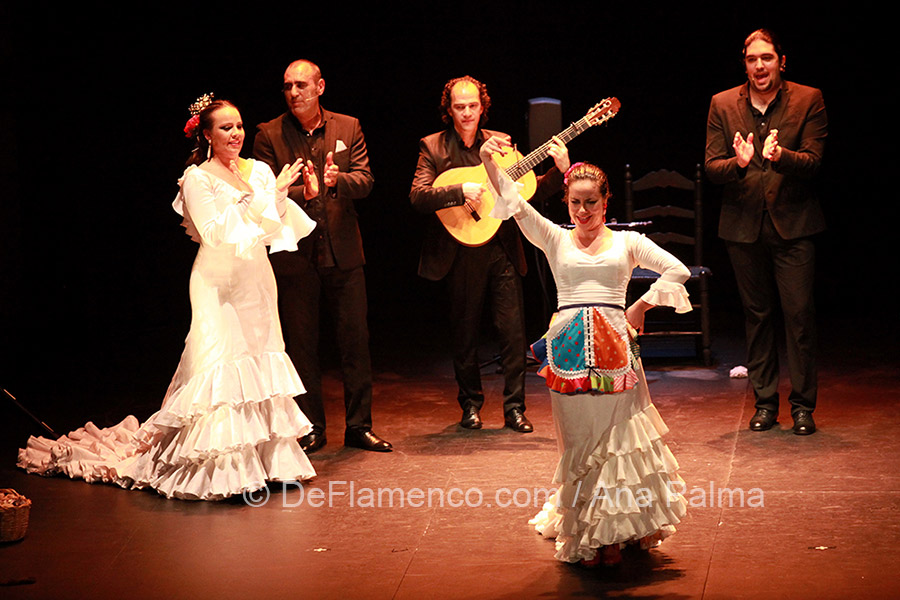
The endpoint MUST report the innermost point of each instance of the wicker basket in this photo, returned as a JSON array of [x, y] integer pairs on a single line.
[[14, 509]]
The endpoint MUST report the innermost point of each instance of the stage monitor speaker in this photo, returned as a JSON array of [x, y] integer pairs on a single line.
[[544, 120]]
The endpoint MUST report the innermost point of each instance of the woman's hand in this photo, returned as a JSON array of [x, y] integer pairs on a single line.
[[560, 154], [494, 145], [236, 171], [635, 314], [288, 175]]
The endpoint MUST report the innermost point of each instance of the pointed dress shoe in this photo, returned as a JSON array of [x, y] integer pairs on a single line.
[[517, 421], [366, 440], [312, 441], [803, 423], [470, 418], [763, 420]]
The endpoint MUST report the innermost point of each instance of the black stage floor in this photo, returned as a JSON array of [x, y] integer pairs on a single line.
[[819, 516]]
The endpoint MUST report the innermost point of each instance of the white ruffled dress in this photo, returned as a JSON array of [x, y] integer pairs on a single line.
[[228, 422], [618, 480]]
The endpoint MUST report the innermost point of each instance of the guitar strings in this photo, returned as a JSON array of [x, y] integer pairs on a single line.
[[525, 164], [537, 155]]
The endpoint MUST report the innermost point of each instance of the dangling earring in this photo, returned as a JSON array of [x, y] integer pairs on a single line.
[[208, 150]]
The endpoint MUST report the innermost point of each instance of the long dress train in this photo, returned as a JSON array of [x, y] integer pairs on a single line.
[[228, 422]]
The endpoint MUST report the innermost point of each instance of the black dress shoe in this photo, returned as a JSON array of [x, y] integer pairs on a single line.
[[470, 418], [365, 439], [803, 423], [517, 421], [312, 441], [763, 419]]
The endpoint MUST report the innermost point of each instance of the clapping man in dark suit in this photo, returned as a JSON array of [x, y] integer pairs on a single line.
[[764, 142], [329, 264]]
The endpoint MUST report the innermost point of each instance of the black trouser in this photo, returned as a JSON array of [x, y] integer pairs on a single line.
[[485, 274], [770, 271], [344, 295]]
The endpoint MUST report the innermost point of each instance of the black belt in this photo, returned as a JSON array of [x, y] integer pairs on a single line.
[[590, 304]]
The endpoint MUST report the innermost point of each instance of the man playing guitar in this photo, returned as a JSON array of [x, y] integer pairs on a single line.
[[479, 271]]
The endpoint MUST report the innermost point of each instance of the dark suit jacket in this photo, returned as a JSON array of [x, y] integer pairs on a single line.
[[278, 143], [783, 188], [440, 152]]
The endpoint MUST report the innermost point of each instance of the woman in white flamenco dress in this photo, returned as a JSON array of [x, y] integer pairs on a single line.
[[228, 422], [618, 480]]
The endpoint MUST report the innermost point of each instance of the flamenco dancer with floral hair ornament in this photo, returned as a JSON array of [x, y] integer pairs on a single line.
[[618, 481], [228, 422]]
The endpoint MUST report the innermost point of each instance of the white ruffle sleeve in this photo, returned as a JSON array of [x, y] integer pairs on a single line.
[[507, 200], [668, 289], [216, 213], [295, 225], [286, 222]]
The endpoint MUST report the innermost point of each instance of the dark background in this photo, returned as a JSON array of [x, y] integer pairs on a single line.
[[94, 265]]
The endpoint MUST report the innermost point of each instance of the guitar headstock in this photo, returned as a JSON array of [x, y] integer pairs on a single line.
[[603, 111]]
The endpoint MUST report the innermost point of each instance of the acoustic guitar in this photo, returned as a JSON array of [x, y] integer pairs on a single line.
[[476, 229]]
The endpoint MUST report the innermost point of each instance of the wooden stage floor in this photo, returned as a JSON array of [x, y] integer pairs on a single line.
[[820, 517]]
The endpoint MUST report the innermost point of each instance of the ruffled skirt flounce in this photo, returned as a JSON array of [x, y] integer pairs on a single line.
[[222, 432], [618, 480]]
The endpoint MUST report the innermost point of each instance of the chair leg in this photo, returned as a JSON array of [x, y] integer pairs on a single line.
[[704, 320]]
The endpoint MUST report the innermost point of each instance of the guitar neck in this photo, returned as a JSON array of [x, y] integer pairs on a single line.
[[536, 156]]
